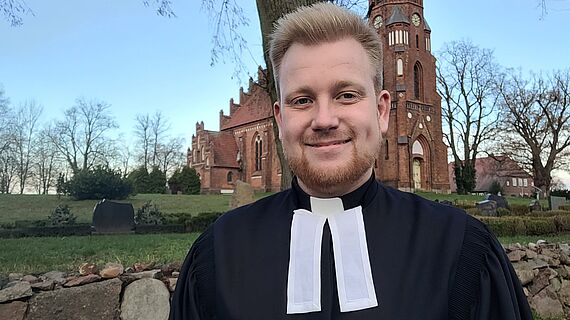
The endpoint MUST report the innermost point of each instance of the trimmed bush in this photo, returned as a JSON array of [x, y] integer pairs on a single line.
[[60, 231], [501, 212], [99, 183], [164, 228], [519, 209], [149, 214], [538, 227], [564, 207], [202, 221], [473, 211], [61, 216]]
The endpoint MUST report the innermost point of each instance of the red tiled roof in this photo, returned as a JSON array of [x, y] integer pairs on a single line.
[[255, 106], [225, 149], [488, 170]]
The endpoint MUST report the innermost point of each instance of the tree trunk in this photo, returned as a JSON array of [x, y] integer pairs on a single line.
[[269, 12]]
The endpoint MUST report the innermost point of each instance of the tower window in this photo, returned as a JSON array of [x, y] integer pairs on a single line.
[[418, 81], [230, 177], [387, 156], [258, 152], [399, 67], [417, 41]]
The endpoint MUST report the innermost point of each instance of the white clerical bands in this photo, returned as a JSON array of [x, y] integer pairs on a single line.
[[353, 274]]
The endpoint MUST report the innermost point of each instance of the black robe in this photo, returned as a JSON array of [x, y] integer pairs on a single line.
[[428, 260]]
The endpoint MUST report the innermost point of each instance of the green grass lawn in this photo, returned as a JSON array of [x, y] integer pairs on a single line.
[[38, 255], [37, 207], [472, 199]]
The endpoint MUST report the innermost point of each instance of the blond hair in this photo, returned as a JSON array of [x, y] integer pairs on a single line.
[[324, 23]]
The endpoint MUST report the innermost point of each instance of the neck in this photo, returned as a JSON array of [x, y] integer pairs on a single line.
[[335, 191]]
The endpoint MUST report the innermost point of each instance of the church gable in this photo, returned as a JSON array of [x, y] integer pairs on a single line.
[[254, 105]]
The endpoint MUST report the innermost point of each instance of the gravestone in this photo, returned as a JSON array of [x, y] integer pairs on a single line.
[[500, 200], [556, 202], [113, 217], [487, 207], [534, 205], [243, 195]]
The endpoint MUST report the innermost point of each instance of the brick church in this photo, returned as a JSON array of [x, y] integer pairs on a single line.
[[413, 156]]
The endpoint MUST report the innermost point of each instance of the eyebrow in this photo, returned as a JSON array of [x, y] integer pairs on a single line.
[[337, 86]]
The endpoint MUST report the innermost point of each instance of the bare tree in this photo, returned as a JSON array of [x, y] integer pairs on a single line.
[[171, 155], [143, 139], [81, 137], [466, 78], [159, 126], [13, 10], [535, 122], [46, 162], [25, 129]]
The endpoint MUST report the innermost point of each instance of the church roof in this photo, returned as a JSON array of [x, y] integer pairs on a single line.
[[427, 28], [255, 106], [225, 149], [397, 17]]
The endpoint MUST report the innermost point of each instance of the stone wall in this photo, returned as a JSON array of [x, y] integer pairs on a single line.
[[143, 291]]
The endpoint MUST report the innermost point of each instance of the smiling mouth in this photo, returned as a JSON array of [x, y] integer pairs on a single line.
[[327, 143]]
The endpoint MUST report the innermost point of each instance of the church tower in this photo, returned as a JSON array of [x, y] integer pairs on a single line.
[[414, 156]]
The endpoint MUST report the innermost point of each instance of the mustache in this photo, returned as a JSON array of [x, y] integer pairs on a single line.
[[328, 135]]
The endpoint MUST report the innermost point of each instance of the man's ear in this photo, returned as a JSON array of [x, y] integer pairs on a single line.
[[383, 105], [278, 116]]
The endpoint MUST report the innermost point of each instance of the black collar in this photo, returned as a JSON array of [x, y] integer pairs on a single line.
[[362, 196]]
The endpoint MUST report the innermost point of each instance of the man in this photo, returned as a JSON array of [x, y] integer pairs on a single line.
[[338, 244]]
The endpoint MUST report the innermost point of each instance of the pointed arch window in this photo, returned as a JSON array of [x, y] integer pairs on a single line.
[[400, 67], [258, 152], [418, 81], [230, 177]]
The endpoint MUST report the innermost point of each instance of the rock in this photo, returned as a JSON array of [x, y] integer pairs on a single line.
[[95, 301], [13, 311], [525, 276], [19, 290], [242, 195], [176, 274], [88, 268], [3, 280], [169, 268], [564, 259], [30, 279], [146, 299], [172, 284], [541, 242], [546, 305], [15, 277], [44, 285], [541, 280], [57, 276], [530, 264], [530, 254], [532, 246], [555, 285], [112, 270], [564, 292], [565, 248], [140, 267], [151, 274], [516, 255], [79, 281]]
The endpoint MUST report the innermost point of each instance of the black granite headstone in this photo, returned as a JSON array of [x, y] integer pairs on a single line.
[[487, 207], [534, 205], [500, 200], [113, 217]]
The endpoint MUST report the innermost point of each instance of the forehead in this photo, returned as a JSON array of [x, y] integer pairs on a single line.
[[344, 59]]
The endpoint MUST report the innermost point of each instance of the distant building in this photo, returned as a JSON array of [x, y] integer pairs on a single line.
[[413, 156], [514, 180]]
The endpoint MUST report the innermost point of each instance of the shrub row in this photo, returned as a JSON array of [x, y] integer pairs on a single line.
[[197, 223], [527, 226], [59, 231], [565, 207]]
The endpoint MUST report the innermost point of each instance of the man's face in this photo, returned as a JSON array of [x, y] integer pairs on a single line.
[[330, 119]]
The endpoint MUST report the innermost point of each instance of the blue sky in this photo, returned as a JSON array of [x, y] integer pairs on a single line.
[[123, 53]]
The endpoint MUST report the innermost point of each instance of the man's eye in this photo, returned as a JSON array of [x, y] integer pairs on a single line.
[[347, 96], [302, 101]]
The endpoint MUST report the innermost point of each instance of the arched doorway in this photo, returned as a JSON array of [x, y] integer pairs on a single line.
[[417, 173]]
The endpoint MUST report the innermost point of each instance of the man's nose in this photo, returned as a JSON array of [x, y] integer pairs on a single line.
[[325, 117]]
